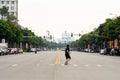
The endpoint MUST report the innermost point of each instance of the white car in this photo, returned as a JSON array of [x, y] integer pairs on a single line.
[[33, 49], [102, 51], [3, 51]]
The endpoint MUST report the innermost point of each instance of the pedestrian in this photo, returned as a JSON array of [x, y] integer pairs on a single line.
[[35, 50], [67, 54]]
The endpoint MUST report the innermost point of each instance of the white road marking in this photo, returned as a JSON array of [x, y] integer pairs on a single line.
[[62, 65], [52, 64], [86, 65], [75, 65], [41, 61], [14, 65], [37, 65], [117, 61], [99, 65]]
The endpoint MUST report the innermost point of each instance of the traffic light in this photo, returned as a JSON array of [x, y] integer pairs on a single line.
[[44, 37], [50, 36], [79, 34], [71, 34]]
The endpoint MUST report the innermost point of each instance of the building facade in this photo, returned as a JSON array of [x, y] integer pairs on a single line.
[[12, 6]]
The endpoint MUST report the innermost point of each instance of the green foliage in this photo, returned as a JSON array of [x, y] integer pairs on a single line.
[[32, 38], [4, 11], [11, 17], [107, 31], [11, 33], [5, 30]]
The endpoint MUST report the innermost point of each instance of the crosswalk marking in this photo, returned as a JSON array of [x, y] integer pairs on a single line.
[[85, 66]]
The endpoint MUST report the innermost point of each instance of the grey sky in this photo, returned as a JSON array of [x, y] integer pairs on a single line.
[[57, 16]]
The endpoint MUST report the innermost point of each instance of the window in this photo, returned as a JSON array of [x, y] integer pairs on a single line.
[[7, 7], [2, 2], [12, 7], [7, 2], [12, 13], [12, 2]]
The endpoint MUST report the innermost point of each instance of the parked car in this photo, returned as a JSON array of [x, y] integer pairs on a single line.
[[13, 51], [88, 50], [102, 51], [3, 51], [33, 49], [20, 50], [105, 51], [115, 51]]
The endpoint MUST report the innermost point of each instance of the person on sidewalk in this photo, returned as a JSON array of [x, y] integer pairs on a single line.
[[67, 54]]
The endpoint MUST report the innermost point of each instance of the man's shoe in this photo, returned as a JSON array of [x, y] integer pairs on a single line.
[[66, 63]]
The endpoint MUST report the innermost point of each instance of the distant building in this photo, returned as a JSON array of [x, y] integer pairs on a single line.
[[12, 6], [66, 37]]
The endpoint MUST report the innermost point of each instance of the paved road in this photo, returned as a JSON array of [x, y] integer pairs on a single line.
[[49, 65]]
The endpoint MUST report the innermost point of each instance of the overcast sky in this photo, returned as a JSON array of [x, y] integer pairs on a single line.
[[57, 16]]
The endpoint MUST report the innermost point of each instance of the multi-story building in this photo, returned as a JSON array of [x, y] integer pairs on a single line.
[[12, 6]]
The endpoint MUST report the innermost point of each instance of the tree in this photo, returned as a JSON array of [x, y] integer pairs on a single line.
[[5, 30], [4, 12], [11, 17]]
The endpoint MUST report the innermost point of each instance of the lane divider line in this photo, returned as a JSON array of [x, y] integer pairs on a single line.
[[58, 59]]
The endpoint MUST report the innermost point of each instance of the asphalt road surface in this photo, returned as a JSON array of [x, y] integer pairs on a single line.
[[49, 65]]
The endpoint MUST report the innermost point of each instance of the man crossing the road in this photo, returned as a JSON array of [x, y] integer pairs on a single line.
[[67, 54]]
